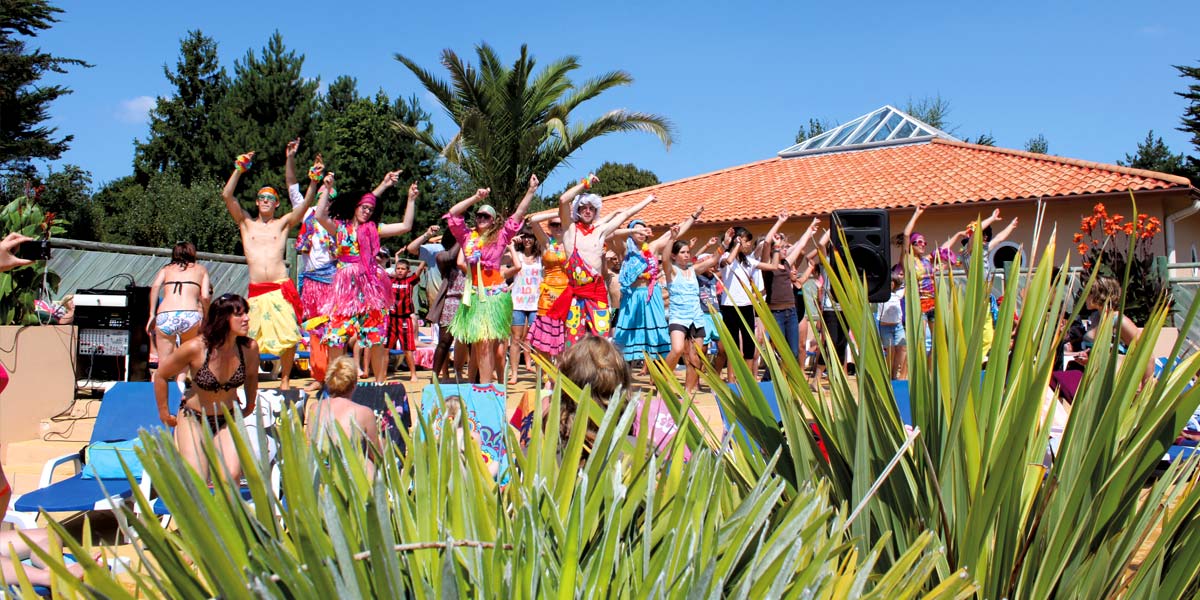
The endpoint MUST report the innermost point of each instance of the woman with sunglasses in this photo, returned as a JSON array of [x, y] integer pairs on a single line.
[[484, 317], [221, 359], [546, 334], [362, 291]]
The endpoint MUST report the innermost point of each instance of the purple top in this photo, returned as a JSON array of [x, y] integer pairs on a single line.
[[491, 254]]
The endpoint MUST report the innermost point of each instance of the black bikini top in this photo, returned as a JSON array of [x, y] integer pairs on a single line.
[[179, 285], [206, 381]]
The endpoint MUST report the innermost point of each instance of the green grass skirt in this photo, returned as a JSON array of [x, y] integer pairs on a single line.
[[487, 318]]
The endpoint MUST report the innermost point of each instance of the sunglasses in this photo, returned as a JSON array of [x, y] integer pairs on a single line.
[[555, 224], [919, 243], [267, 197]]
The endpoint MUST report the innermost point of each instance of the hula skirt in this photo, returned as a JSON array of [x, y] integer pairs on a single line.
[[642, 325], [486, 317]]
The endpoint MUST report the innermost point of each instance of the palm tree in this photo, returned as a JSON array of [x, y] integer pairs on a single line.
[[515, 121]]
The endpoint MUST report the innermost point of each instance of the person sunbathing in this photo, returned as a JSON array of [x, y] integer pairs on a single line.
[[338, 410]]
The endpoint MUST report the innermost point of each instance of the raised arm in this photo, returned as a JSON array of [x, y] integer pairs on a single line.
[[538, 233], [712, 241], [461, 208], [802, 243], [779, 221], [236, 211], [908, 229], [564, 201], [611, 225], [665, 251], [666, 239], [523, 206], [414, 247], [990, 220], [299, 204], [323, 206], [394, 229], [289, 163], [1004, 234], [388, 181], [955, 240]]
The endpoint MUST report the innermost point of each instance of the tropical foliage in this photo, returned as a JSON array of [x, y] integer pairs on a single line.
[[514, 121], [627, 523], [20, 288], [1116, 247]]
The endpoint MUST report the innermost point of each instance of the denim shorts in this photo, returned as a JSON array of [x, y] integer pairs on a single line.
[[892, 335], [523, 318]]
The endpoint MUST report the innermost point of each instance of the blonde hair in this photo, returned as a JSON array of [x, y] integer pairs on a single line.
[[1105, 293], [597, 362], [341, 376]]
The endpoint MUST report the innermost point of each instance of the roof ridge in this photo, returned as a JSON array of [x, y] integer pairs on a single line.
[[693, 177], [1075, 162]]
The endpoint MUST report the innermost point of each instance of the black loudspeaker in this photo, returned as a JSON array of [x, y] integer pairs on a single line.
[[139, 340], [1003, 254], [866, 232]]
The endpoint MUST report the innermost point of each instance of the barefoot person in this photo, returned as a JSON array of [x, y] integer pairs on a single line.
[[526, 253], [185, 286], [221, 359], [274, 301], [362, 293], [402, 322], [584, 306], [484, 317], [546, 334], [688, 326]]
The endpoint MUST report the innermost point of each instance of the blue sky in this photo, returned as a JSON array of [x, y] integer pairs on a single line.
[[737, 79]]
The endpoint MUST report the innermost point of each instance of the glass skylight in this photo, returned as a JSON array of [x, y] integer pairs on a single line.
[[885, 126]]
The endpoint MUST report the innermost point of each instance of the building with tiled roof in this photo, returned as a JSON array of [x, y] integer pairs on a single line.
[[887, 159]]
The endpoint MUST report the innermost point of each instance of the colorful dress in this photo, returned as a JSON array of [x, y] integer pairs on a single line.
[[362, 292], [642, 319], [486, 310], [583, 304], [547, 334]]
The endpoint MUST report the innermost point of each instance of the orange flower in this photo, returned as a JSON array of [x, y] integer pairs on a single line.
[[1128, 229], [1078, 238], [1082, 249]]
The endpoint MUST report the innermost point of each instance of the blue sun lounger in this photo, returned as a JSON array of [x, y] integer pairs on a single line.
[[125, 410]]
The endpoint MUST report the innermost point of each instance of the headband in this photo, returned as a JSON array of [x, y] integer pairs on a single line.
[[268, 190], [368, 198]]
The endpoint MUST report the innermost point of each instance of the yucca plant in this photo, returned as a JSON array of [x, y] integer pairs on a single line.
[[624, 523], [975, 474]]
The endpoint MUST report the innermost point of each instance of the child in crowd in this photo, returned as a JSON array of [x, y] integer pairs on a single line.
[[597, 362], [402, 323], [891, 329]]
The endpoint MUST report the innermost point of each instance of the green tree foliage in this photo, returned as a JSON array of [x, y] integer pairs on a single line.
[[268, 104], [515, 121], [166, 211], [65, 193], [24, 98], [1190, 120], [815, 127], [356, 137], [22, 286], [1154, 155], [183, 130], [1038, 145], [616, 178], [933, 110]]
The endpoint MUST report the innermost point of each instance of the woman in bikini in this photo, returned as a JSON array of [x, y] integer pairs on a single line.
[[175, 319], [221, 359]]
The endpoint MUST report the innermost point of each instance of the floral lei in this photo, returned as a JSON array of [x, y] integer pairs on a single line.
[[474, 248]]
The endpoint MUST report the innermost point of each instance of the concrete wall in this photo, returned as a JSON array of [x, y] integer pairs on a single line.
[[938, 223], [41, 367]]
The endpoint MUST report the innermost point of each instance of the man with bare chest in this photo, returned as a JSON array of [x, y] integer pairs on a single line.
[[584, 304], [274, 301]]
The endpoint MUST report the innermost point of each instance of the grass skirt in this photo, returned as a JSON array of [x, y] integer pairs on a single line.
[[487, 318], [642, 325]]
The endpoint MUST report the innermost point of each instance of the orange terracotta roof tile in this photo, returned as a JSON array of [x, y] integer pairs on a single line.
[[933, 173]]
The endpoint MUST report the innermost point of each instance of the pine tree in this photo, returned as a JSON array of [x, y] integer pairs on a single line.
[[1154, 155], [24, 99], [183, 133], [268, 104], [1191, 115], [1038, 145]]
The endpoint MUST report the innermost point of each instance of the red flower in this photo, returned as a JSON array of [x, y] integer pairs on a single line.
[[1128, 229], [1078, 238], [1082, 249]]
